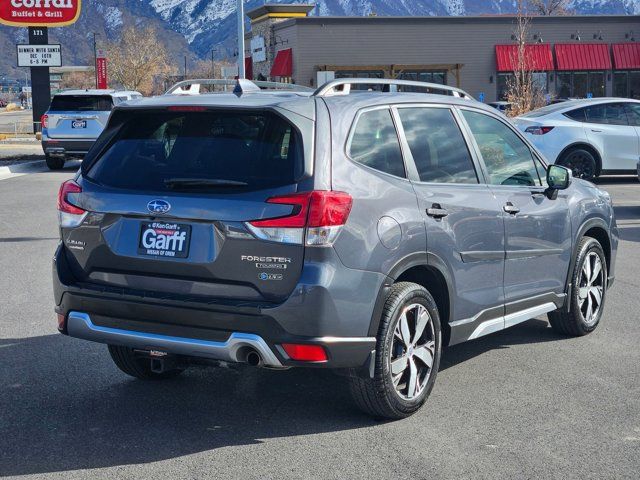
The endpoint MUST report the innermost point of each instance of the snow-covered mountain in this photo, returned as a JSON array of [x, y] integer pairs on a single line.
[[209, 23], [199, 26]]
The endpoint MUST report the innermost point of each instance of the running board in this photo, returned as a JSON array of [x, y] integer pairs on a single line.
[[507, 321]]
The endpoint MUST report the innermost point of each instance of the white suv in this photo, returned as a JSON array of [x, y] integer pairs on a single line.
[[591, 137]]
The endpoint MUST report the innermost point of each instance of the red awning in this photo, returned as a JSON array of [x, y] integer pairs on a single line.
[[626, 56], [537, 57], [583, 56], [283, 64]]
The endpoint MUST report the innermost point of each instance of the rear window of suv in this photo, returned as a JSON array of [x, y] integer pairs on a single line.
[[231, 149], [81, 103]]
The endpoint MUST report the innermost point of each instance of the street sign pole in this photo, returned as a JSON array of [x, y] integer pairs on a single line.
[[40, 82], [241, 72]]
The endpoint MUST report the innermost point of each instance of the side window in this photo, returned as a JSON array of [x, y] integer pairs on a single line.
[[437, 145], [577, 114], [607, 113], [542, 171], [508, 159], [375, 143], [634, 114]]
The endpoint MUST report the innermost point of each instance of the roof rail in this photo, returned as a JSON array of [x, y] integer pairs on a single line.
[[342, 86], [194, 86]]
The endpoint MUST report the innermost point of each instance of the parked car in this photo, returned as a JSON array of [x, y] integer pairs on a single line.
[[501, 106], [3, 103], [74, 121], [591, 137], [356, 231]]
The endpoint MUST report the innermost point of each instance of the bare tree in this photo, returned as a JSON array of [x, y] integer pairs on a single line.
[[79, 80], [136, 57], [550, 7], [522, 92]]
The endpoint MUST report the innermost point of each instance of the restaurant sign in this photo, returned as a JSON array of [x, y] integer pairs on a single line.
[[39, 13]]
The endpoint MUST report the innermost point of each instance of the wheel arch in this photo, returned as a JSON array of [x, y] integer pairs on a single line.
[[595, 228], [586, 146], [426, 270]]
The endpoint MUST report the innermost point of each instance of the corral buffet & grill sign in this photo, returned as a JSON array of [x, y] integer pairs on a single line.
[[39, 13]]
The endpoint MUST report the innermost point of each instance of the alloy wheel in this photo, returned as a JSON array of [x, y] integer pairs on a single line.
[[580, 166], [412, 351], [591, 288]]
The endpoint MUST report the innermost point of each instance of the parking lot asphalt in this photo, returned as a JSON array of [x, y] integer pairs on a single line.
[[522, 403]]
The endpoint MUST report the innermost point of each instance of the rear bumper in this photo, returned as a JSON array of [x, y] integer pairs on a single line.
[[233, 349], [66, 147], [217, 330]]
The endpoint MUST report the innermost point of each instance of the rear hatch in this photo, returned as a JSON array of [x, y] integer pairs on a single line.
[[78, 116], [169, 199]]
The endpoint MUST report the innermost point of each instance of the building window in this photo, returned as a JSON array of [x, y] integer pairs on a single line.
[[539, 80], [439, 77], [361, 74], [580, 84], [626, 84]]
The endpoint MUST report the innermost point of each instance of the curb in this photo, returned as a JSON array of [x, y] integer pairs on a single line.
[[19, 167]]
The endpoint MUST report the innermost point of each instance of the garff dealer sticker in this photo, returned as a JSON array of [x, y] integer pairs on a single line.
[[39, 13]]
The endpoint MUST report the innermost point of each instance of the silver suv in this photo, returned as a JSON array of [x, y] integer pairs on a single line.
[[357, 230], [74, 121]]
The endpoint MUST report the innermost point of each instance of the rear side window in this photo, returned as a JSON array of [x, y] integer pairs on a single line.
[[577, 115], [437, 146], [81, 103], [154, 149], [375, 143]]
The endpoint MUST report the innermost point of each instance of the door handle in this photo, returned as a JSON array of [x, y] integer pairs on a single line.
[[510, 208], [436, 211], [596, 131]]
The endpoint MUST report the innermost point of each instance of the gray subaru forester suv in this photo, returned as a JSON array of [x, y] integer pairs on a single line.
[[361, 227]]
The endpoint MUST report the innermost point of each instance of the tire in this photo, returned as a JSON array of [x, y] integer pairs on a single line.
[[583, 318], [380, 396], [126, 360], [581, 162], [54, 163]]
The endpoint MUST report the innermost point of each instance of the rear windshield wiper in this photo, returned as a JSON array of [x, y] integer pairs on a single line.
[[185, 183]]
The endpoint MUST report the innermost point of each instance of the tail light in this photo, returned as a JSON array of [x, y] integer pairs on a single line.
[[538, 130], [305, 353], [69, 214], [44, 121], [316, 219]]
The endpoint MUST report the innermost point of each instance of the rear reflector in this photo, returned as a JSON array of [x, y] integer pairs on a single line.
[[321, 212], [61, 322], [305, 353]]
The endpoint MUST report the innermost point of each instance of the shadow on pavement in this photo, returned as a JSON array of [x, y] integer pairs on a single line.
[[66, 407]]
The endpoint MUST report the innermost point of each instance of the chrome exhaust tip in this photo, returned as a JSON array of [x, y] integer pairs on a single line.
[[254, 359]]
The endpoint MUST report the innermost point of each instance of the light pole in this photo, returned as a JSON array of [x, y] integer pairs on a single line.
[[241, 72], [95, 57]]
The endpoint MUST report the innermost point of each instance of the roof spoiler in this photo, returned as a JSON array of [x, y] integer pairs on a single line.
[[237, 86], [343, 86]]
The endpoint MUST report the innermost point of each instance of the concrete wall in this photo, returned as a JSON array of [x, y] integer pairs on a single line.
[[429, 40]]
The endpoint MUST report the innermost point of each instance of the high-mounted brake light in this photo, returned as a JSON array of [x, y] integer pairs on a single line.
[[186, 108], [538, 130], [321, 213], [44, 121], [69, 214], [305, 353]]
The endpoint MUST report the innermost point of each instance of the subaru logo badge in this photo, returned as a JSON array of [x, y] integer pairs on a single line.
[[158, 206]]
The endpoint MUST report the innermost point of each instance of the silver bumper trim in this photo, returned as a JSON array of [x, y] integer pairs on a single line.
[[79, 325]]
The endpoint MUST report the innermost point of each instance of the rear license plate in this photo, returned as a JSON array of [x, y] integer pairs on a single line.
[[164, 239], [79, 124]]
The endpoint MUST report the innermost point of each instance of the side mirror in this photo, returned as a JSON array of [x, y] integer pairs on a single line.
[[558, 178]]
